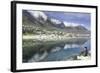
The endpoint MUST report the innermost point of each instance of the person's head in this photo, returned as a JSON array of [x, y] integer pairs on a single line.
[[85, 48]]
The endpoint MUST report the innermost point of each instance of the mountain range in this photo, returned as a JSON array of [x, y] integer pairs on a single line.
[[36, 21]]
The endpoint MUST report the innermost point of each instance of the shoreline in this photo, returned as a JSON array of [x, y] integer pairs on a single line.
[[52, 37]]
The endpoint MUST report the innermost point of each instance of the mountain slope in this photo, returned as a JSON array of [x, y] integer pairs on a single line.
[[38, 22]]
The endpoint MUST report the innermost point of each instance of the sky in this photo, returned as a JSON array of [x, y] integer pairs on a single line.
[[72, 17]]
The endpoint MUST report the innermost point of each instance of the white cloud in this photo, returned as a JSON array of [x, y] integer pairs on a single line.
[[55, 21], [70, 24], [37, 14]]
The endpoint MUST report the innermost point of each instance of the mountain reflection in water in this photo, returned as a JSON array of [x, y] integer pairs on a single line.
[[54, 51]]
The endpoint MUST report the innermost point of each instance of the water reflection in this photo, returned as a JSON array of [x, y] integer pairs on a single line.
[[55, 51]]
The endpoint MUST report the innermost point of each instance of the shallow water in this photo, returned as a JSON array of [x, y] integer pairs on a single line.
[[55, 51]]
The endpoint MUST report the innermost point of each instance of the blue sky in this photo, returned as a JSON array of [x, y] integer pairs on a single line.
[[73, 17]]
